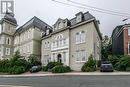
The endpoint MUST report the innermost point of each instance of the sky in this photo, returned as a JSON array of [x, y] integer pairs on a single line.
[[49, 11]]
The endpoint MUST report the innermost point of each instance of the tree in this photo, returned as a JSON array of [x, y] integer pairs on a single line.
[[106, 47], [33, 60]]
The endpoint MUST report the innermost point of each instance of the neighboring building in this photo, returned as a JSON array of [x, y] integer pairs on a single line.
[[72, 41], [121, 40], [8, 27], [26, 39]]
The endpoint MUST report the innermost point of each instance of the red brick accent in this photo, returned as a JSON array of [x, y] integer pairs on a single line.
[[126, 40]]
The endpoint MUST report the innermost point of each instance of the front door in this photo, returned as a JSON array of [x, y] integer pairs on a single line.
[[59, 58]]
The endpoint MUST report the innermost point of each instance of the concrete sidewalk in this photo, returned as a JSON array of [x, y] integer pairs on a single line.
[[71, 73]]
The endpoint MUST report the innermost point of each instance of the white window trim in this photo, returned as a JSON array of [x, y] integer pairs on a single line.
[[80, 38], [80, 61], [7, 52]]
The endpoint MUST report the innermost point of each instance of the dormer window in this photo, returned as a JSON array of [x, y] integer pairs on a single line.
[[79, 17], [60, 25]]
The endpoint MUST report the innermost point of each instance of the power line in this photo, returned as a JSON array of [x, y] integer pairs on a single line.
[[77, 6], [97, 8]]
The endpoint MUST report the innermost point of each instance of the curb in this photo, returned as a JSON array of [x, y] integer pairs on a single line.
[[68, 74]]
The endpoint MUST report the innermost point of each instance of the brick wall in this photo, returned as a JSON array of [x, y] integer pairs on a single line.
[[126, 40]]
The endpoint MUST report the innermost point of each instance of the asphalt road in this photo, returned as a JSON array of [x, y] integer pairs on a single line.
[[66, 81]]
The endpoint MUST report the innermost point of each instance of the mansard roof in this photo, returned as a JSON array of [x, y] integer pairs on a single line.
[[35, 22], [86, 16], [9, 17]]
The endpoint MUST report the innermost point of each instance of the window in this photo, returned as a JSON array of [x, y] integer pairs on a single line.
[[129, 31], [64, 55], [47, 45], [60, 25], [8, 41], [47, 60], [64, 41], [83, 57], [77, 37], [80, 56], [59, 40], [7, 51], [47, 31], [80, 37], [79, 18], [2, 40]]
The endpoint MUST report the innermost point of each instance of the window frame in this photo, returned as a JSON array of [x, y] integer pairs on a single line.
[[79, 56], [80, 37], [7, 51]]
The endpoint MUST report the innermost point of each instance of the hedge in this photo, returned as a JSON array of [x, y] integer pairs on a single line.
[[61, 69]]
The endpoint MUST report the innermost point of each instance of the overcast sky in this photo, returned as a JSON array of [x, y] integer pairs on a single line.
[[50, 11]]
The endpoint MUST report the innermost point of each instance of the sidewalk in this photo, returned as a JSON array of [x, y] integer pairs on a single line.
[[71, 73]]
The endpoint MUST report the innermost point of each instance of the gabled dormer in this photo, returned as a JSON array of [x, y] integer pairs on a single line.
[[79, 17], [60, 24]]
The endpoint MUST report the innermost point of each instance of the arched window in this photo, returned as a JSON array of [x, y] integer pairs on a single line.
[[82, 36], [8, 41], [59, 40]]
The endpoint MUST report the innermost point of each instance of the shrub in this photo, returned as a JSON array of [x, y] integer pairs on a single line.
[[4, 65], [44, 68], [114, 59], [123, 63], [50, 65], [15, 65], [61, 69], [67, 69], [88, 69], [24, 63], [17, 70], [90, 65]]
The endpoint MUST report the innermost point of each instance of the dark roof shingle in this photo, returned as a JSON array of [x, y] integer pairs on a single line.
[[36, 22]]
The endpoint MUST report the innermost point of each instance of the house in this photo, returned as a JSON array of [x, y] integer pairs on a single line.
[[72, 41], [26, 39], [121, 40]]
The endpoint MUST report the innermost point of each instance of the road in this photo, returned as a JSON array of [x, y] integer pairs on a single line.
[[66, 81]]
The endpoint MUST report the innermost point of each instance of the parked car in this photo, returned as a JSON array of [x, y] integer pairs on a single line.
[[35, 69], [106, 67]]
